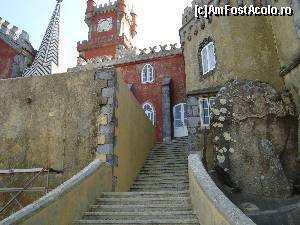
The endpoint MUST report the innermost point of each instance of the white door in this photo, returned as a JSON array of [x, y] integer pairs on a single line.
[[180, 120]]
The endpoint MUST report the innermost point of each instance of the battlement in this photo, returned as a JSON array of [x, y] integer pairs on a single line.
[[191, 25], [14, 36], [128, 56], [105, 8], [189, 11]]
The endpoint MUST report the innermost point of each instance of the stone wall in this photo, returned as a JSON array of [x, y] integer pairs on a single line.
[[16, 52], [50, 122], [65, 121]]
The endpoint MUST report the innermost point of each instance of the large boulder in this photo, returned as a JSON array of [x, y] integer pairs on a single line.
[[254, 132]]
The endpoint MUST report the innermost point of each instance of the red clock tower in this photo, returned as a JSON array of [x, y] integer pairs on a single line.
[[111, 26]]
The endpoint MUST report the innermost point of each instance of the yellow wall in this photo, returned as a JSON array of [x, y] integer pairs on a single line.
[[244, 50], [69, 205], [287, 42], [55, 128], [47, 122], [135, 137], [210, 205], [292, 82]]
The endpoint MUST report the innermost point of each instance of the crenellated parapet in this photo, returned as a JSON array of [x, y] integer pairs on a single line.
[[15, 37], [105, 8], [191, 25], [127, 56]]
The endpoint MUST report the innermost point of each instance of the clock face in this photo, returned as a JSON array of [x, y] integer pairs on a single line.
[[104, 24]]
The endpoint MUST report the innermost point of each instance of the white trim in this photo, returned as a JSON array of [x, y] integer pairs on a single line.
[[210, 59], [148, 75], [209, 99], [153, 112], [181, 131]]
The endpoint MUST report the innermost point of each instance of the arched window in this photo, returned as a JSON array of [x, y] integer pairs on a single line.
[[150, 112], [207, 57], [147, 74]]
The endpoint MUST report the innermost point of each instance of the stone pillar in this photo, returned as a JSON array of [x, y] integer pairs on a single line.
[[106, 120], [193, 116], [166, 110]]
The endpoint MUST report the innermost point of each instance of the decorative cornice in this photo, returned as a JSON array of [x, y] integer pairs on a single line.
[[127, 56]]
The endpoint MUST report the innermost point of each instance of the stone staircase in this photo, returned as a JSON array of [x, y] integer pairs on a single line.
[[160, 195]]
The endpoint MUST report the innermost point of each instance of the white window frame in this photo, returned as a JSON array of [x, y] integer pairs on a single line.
[[210, 101], [209, 60], [152, 110], [147, 75]]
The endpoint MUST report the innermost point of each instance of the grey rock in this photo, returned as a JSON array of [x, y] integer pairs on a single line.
[[256, 142]]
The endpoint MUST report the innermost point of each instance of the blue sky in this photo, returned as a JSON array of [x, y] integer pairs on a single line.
[[158, 22]]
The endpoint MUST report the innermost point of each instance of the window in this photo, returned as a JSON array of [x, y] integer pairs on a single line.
[[147, 74], [149, 110], [208, 58], [205, 105]]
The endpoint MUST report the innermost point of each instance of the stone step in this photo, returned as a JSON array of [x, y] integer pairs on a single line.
[[160, 161], [161, 168], [146, 194], [183, 154], [179, 146], [138, 201], [168, 153], [149, 185], [139, 215], [165, 171], [181, 149], [165, 179], [160, 174], [141, 208], [158, 189], [146, 221], [168, 150], [164, 159], [161, 182], [159, 165], [146, 188], [167, 161], [166, 165], [167, 156], [172, 168]]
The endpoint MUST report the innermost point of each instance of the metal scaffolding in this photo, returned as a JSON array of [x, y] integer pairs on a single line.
[[36, 172]]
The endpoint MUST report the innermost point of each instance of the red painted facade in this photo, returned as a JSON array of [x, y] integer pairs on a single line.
[[7, 54], [164, 67], [104, 43]]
